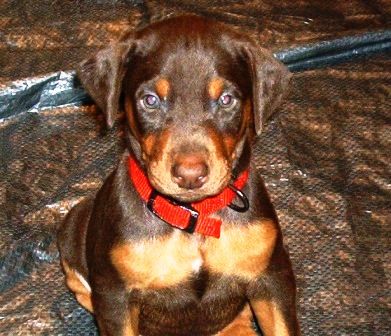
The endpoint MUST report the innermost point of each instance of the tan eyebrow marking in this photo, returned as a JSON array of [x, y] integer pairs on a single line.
[[215, 88], [162, 87]]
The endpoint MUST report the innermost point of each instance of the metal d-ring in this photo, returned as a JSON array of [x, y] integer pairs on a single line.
[[243, 198]]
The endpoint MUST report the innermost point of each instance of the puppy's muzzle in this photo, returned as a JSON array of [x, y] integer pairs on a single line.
[[190, 171]]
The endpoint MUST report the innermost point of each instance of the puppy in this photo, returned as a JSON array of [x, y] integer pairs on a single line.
[[182, 238]]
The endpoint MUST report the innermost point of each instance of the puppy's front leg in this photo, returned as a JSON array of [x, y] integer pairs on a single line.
[[113, 312], [274, 300]]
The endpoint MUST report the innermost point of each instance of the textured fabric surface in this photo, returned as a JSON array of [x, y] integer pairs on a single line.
[[324, 157], [39, 37]]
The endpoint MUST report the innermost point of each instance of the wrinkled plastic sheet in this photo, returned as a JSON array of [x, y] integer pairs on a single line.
[[324, 157], [326, 53], [36, 94], [63, 88]]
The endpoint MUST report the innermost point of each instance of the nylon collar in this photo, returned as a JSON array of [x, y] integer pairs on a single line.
[[190, 217]]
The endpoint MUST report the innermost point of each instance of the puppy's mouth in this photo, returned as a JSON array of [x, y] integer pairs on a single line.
[[190, 195]]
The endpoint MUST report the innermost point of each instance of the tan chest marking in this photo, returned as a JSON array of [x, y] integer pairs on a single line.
[[241, 251], [157, 263]]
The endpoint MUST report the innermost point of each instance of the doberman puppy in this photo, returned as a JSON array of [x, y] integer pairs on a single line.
[[182, 238]]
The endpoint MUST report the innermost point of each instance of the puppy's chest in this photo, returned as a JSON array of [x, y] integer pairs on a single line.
[[178, 258]]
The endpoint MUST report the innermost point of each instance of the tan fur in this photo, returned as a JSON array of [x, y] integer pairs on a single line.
[[83, 294], [162, 87], [215, 88], [241, 251], [148, 144], [246, 117], [159, 161], [230, 143], [167, 261], [131, 117], [156, 263], [240, 326], [131, 323], [270, 318]]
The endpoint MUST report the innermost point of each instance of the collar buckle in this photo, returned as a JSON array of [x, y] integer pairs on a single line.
[[194, 214]]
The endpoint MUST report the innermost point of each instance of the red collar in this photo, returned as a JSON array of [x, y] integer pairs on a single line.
[[189, 217]]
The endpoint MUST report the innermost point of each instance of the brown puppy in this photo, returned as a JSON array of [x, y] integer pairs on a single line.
[[182, 238]]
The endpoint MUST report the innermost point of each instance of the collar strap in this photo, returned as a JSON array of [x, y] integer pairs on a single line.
[[194, 217]]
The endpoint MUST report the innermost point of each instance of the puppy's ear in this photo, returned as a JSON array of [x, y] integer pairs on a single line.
[[102, 75], [270, 79]]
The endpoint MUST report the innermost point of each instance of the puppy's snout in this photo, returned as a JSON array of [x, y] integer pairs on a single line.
[[190, 171]]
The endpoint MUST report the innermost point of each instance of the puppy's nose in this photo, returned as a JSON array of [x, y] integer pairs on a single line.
[[190, 171]]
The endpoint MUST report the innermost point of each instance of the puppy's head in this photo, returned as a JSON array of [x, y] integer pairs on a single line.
[[195, 94]]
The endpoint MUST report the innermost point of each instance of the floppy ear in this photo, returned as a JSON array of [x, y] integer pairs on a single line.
[[102, 75], [270, 79]]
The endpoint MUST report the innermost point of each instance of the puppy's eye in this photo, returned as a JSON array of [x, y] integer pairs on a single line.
[[151, 101], [226, 100]]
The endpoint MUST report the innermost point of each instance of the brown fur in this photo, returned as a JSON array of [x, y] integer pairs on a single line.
[[231, 141]]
